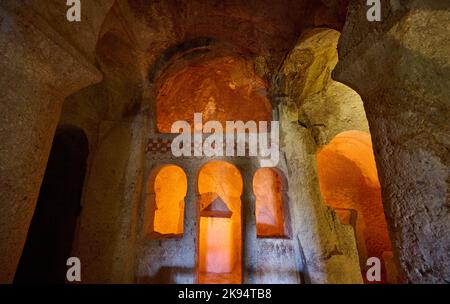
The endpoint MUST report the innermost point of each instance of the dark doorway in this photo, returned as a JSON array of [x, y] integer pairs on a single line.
[[51, 232]]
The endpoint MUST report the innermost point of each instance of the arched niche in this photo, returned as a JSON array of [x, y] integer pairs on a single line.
[[166, 190], [269, 189], [220, 187], [349, 184]]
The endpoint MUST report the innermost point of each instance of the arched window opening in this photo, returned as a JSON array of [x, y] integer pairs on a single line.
[[166, 191], [269, 209], [349, 184], [220, 232]]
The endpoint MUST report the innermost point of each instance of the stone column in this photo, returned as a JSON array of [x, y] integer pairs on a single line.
[[329, 253], [249, 247], [401, 68], [38, 70]]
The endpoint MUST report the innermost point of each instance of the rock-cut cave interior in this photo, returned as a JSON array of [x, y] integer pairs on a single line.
[[87, 168]]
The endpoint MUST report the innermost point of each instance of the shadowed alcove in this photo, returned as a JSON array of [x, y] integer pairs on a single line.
[[52, 229]]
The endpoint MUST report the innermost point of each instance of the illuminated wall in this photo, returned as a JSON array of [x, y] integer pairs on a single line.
[[222, 89], [349, 181], [220, 239]]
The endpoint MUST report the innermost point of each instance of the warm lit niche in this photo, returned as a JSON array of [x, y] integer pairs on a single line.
[[220, 232], [349, 184], [269, 211], [166, 191]]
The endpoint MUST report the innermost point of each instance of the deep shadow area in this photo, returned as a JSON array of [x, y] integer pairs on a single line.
[[51, 232]]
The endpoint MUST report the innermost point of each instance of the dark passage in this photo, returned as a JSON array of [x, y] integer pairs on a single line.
[[51, 233]]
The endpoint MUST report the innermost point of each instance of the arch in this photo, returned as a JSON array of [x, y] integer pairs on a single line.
[[52, 229], [166, 190], [222, 87], [349, 184], [220, 187], [268, 189], [196, 45]]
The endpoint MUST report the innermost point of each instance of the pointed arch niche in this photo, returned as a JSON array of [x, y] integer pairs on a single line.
[[220, 231]]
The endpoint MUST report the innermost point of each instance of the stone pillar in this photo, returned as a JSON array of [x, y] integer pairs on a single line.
[[401, 68], [329, 253], [38, 70], [249, 247], [190, 241], [108, 225]]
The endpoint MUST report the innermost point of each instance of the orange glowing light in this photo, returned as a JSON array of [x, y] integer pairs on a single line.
[[349, 181], [267, 187], [224, 88], [170, 187], [220, 238]]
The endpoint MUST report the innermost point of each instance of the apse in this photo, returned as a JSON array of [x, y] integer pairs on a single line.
[[223, 88]]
